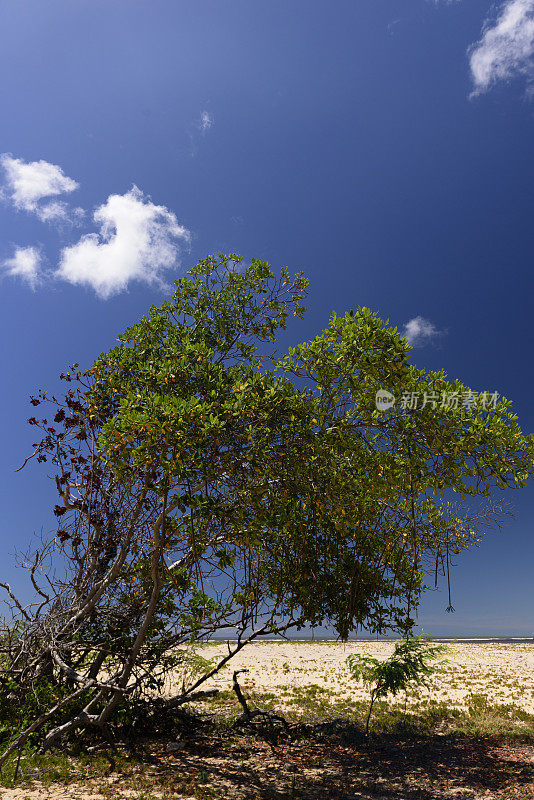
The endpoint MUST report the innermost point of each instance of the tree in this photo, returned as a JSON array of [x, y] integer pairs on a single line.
[[205, 486], [396, 499], [411, 664]]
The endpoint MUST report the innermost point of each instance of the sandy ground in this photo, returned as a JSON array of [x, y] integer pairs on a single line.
[[73, 792], [504, 673]]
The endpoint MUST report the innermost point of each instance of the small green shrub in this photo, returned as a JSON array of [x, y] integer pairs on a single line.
[[410, 665]]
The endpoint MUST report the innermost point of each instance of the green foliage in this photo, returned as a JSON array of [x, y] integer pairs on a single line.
[[280, 468], [193, 665], [18, 708], [208, 483], [411, 664]]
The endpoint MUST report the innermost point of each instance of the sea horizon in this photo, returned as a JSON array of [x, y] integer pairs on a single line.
[[474, 639]]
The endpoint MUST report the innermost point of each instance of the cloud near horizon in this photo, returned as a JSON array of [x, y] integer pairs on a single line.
[[506, 49], [420, 331], [31, 184], [137, 240], [25, 264]]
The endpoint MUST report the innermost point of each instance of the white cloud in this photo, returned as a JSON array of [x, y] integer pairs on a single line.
[[24, 264], [419, 331], [206, 121], [30, 183], [506, 48], [137, 241], [57, 211]]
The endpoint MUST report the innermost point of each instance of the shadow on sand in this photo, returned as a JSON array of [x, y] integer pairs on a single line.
[[333, 760]]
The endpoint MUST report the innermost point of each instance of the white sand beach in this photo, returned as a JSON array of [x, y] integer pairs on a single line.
[[504, 673]]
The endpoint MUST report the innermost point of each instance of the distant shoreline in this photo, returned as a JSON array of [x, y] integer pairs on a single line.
[[444, 639]]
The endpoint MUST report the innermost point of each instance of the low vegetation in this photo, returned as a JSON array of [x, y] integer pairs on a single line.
[[419, 752], [410, 665]]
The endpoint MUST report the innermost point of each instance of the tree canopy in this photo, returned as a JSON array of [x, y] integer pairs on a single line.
[[208, 484]]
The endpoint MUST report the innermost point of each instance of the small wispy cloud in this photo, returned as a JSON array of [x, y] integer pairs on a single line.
[[506, 49], [206, 121], [137, 240], [58, 211], [25, 264], [420, 331], [29, 185]]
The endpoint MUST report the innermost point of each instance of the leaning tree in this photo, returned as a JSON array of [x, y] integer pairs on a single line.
[[208, 486]]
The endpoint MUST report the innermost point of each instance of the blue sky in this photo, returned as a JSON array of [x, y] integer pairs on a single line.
[[385, 147]]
